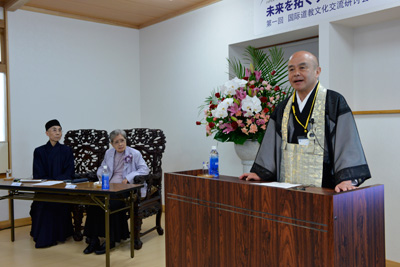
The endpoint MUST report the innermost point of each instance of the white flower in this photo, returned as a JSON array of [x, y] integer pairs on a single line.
[[229, 87], [251, 105], [240, 82], [222, 109]]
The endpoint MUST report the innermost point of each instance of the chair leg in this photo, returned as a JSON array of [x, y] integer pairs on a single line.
[[160, 231], [77, 212], [138, 227]]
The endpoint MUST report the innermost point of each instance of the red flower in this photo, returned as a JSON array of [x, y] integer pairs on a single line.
[[263, 99], [210, 102], [198, 123], [217, 95], [276, 89], [211, 124], [246, 78], [284, 93], [252, 86], [261, 80], [273, 73], [266, 110], [234, 125]]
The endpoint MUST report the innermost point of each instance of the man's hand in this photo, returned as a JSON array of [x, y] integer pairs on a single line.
[[125, 181], [344, 186], [249, 176]]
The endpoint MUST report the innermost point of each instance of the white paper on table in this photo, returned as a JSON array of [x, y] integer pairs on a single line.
[[49, 183], [280, 185], [32, 180]]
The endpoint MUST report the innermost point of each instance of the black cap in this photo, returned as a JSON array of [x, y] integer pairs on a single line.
[[52, 123]]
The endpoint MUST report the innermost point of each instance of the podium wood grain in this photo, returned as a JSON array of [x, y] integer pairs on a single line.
[[228, 222]]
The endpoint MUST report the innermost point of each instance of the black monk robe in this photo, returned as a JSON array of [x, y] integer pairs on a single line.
[[51, 222], [344, 157]]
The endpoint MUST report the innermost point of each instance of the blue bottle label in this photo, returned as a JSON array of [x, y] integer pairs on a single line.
[[214, 166], [105, 185]]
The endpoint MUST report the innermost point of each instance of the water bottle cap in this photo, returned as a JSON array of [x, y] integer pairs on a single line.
[[214, 147], [105, 167]]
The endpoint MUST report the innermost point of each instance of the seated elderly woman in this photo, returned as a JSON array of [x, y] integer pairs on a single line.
[[123, 163]]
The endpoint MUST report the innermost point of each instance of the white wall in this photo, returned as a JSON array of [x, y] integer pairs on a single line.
[[84, 74], [185, 58]]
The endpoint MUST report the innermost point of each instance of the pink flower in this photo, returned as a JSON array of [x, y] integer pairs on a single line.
[[253, 128], [228, 128], [208, 130], [234, 109], [264, 127], [247, 72], [244, 130], [260, 122], [257, 74], [248, 122], [241, 94]]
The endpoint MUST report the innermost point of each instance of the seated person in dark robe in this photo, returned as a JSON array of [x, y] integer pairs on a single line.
[[123, 164], [51, 222]]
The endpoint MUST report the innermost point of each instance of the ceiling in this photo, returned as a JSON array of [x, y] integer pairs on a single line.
[[135, 14]]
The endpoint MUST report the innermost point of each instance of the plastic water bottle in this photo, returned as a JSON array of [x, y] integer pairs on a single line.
[[213, 170], [205, 168], [105, 179]]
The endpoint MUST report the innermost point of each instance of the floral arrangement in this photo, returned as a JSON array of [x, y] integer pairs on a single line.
[[240, 109]]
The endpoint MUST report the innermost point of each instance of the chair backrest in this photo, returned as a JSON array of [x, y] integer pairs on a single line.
[[88, 147], [151, 143]]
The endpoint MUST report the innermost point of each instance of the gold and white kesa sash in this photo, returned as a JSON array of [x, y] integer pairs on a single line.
[[302, 164]]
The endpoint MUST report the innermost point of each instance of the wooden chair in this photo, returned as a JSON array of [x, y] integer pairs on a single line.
[[88, 147], [151, 143]]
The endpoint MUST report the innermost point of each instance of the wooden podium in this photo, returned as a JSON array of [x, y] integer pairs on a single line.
[[229, 222]]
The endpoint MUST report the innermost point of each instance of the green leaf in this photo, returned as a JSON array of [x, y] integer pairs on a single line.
[[221, 137]]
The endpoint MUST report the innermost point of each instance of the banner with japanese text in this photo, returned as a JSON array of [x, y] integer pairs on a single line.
[[277, 15]]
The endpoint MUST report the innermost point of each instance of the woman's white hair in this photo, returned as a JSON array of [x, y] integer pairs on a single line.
[[115, 133]]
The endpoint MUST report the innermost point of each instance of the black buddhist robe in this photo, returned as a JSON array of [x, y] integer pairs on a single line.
[[51, 222]]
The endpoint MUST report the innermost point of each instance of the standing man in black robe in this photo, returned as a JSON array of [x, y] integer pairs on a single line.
[[311, 138], [51, 222]]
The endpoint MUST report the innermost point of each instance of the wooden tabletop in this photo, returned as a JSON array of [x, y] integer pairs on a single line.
[[86, 187]]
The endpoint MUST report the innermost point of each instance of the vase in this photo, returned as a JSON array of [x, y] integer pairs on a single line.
[[247, 153]]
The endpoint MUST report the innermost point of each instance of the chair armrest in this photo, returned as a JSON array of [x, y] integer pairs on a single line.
[[140, 179]]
